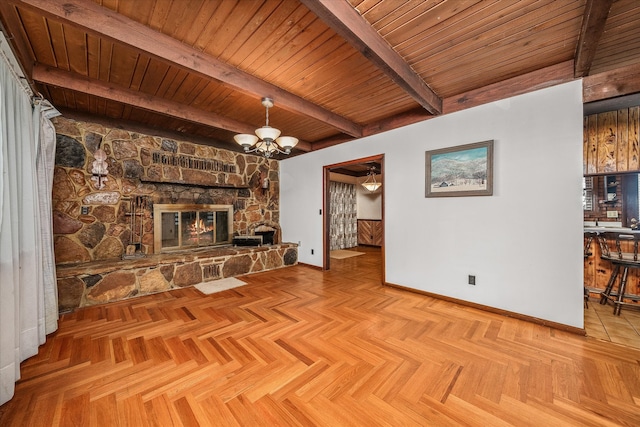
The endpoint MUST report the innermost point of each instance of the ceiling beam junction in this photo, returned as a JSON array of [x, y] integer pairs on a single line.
[[593, 22], [104, 22], [611, 84], [340, 16]]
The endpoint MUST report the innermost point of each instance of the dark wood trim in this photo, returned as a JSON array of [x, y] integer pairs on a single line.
[[104, 22], [397, 121], [499, 311], [326, 218], [535, 80], [351, 26], [383, 264], [610, 84], [326, 206], [593, 22], [331, 141]]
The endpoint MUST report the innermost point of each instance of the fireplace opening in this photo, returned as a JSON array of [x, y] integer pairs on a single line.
[[182, 226]]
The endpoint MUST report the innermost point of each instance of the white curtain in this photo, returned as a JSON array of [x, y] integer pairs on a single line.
[[343, 219], [28, 293]]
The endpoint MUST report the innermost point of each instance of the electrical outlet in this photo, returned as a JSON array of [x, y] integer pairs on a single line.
[[84, 210], [612, 214], [472, 280]]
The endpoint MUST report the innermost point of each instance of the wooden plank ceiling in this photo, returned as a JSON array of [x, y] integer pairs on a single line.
[[336, 69]]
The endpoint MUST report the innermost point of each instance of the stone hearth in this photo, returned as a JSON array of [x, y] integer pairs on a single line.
[[98, 282]]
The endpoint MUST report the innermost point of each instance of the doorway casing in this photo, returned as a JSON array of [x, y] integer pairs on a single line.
[[326, 208]]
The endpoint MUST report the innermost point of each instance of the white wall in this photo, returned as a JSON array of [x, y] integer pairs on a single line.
[[523, 244]]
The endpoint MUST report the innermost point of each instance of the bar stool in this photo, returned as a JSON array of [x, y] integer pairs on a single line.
[[589, 236], [619, 260]]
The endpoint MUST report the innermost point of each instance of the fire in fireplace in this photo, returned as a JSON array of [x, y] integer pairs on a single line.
[[183, 226]]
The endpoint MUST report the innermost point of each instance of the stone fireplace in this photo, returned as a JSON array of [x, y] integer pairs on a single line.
[[95, 229]]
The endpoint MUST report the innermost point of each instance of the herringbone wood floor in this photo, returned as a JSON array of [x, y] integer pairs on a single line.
[[302, 347]]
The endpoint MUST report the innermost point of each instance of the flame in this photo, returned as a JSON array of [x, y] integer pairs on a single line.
[[199, 227]]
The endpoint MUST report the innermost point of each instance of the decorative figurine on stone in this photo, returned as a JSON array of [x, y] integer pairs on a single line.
[[100, 169]]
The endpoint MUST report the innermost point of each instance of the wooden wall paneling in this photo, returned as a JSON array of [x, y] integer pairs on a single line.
[[377, 233], [370, 232], [607, 141], [632, 137], [592, 159], [622, 154], [365, 232]]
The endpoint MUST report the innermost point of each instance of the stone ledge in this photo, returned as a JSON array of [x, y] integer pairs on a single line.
[[107, 266], [99, 282]]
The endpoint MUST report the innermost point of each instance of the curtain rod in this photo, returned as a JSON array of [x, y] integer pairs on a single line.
[[14, 67]]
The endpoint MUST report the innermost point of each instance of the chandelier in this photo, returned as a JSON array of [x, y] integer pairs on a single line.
[[370, 183], [268, 140]]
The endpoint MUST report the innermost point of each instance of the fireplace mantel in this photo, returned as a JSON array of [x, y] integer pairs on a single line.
[[199, 184]]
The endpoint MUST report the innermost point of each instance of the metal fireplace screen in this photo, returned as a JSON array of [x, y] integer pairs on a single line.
[[179, 226]]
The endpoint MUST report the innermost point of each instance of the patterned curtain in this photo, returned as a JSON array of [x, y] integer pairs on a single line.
[[344, 223]]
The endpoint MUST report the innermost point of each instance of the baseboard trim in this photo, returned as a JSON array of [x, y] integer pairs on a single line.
[[506, 313], [315, 267]]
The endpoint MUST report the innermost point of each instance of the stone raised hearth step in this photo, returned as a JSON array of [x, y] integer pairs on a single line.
[[99, 282], [106, 266]]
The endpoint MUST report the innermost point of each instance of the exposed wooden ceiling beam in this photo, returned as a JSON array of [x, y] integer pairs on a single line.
[[535, 80], [399, 120], [106, 23], [330, 142], [618, 82], [347, 22], [593, 22], [67, 80]]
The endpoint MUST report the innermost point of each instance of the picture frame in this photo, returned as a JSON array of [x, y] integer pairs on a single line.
[[463, 170]]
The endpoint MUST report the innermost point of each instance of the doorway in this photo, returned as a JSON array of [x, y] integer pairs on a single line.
[[358, 169]]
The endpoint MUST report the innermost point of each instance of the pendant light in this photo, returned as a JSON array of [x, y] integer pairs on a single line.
[[370, 183]]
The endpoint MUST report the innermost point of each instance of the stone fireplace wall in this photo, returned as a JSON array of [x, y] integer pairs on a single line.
[[91, 224]]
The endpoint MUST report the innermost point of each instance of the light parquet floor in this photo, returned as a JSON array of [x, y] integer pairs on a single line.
[[302, 347]]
